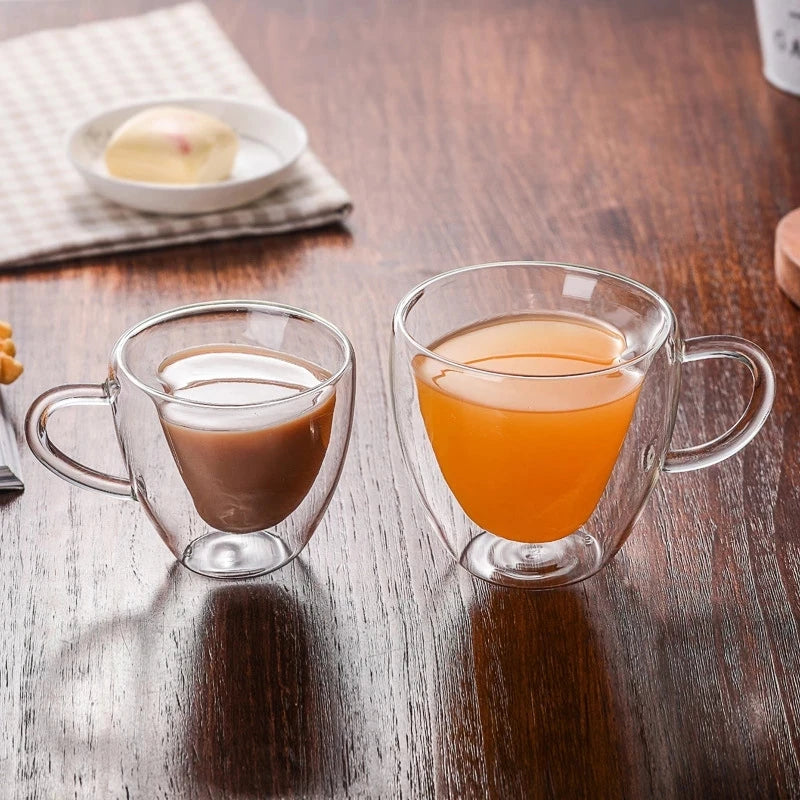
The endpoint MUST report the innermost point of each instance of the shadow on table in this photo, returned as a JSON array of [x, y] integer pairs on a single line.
[[9, 496], [223, 686], [263, 723], [542, 709], [196, 258]]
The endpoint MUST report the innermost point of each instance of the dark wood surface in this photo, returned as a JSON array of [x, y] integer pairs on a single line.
[[635, 135]]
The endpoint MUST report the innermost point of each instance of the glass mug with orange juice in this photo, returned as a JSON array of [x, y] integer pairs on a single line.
[[535, 404]]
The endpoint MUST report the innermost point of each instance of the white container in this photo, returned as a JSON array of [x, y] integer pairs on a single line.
[[779, 32], [270, 142]]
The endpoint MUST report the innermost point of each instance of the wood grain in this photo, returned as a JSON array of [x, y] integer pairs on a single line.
[[635, 136]]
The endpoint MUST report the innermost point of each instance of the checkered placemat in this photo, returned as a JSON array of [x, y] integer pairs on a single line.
[[52, 80]]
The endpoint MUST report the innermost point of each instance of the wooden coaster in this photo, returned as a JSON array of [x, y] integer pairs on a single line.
[[787, 255]]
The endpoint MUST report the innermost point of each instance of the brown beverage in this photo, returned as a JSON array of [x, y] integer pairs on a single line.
[[247, 466]]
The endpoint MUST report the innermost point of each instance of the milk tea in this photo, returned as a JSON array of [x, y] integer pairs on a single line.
[[528, 458], [246, 466]]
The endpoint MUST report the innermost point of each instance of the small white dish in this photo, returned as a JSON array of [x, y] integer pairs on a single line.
[[270, 142]]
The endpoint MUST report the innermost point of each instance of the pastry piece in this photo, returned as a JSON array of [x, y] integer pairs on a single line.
[[10, 368], [172, 144], [787, 255]]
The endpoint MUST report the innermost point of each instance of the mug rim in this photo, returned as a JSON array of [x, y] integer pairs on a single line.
[[211, 306], [413, 295]]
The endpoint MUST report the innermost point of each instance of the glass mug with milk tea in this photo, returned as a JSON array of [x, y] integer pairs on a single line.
[[233, 419], [535, 404]]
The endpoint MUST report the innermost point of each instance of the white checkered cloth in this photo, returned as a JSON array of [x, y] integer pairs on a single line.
[[52, 80]]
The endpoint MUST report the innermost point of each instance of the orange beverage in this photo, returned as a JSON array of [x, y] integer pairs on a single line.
[[528, 458]]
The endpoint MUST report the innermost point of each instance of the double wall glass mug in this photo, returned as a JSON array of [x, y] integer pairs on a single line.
[[535, 405], [233, 419]]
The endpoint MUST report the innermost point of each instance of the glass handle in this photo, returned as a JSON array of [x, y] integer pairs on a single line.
[[83, 394], [754, 416]]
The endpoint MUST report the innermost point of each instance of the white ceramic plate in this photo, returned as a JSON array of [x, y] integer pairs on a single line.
[[270, 142]]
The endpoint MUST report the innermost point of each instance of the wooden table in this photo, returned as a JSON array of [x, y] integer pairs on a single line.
[[635, 136]]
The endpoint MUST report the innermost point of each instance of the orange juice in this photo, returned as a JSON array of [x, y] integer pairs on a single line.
[[528, 458]]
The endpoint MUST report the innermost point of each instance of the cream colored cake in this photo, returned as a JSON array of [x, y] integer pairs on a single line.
[[172, 144]]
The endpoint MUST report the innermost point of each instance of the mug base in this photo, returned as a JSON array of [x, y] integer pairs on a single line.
[[540, 565], [236, 555]]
